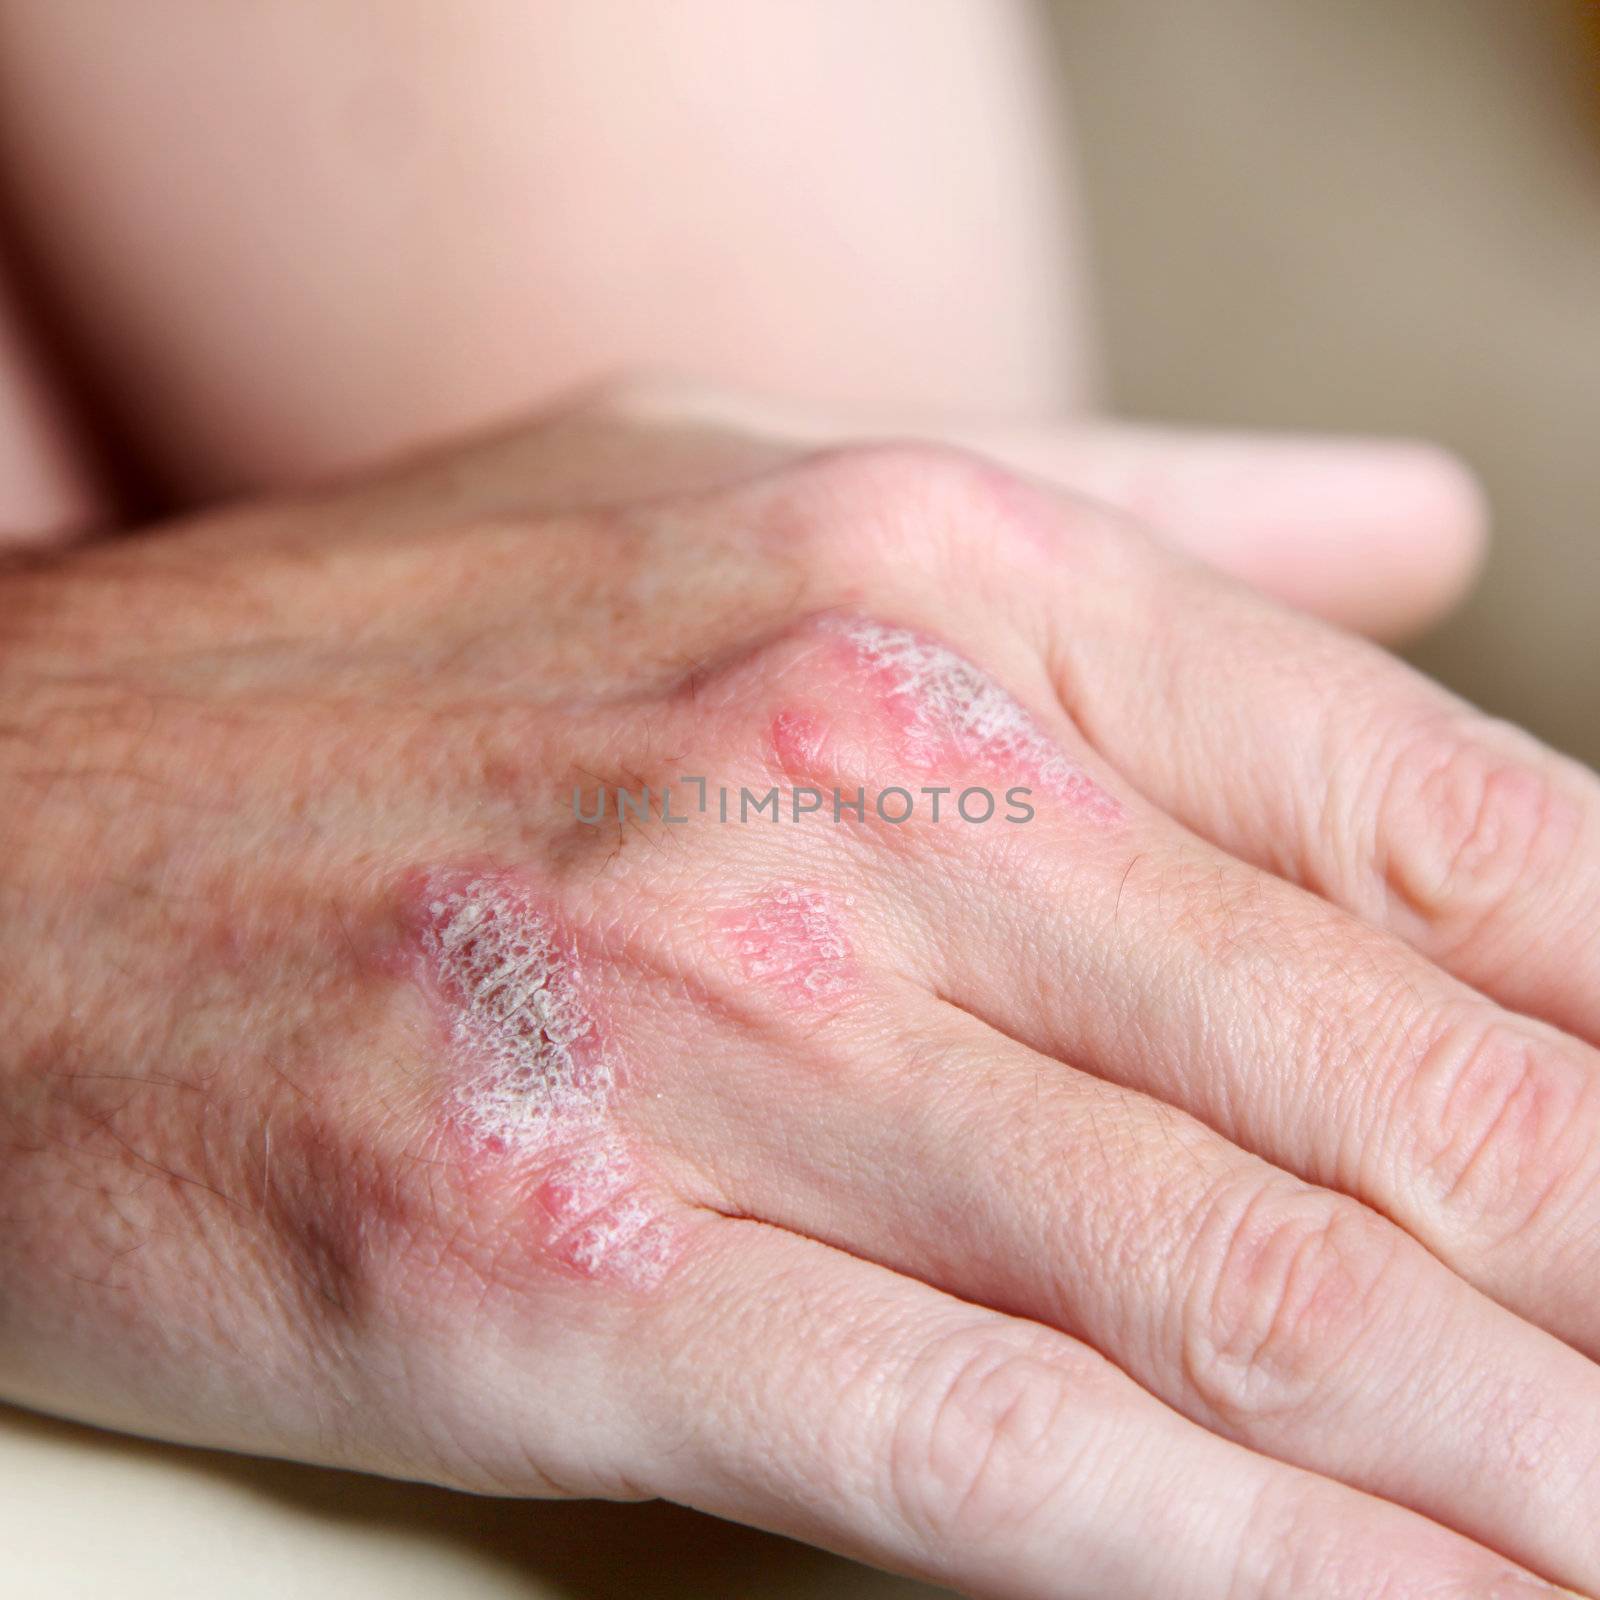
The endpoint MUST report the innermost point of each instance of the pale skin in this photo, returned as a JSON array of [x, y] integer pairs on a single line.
[[1189, 1193]]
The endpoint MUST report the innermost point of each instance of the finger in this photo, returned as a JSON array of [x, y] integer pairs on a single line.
[[1291, 1319], [1333, 765], [793, 1387], [1382, 536], [1106, 935], [1327, 1047]]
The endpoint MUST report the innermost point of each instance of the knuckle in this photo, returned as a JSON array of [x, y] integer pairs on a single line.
[[1499, 1122], [889, 507], [1283, 1293], [976, 1449], [1465, 815]]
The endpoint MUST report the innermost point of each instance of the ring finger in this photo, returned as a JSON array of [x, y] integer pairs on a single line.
[[1289, 1318]]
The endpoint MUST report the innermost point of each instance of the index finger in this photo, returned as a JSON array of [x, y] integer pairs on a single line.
[[1328, 762]]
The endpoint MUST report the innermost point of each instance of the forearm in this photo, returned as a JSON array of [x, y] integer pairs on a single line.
[[365, 226]]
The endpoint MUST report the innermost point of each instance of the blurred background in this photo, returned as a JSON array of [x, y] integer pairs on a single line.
[[1373, 215], [1379, 215]]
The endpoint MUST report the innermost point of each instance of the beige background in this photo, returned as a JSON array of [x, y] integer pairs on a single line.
[[1366, 214], [1376, 215]]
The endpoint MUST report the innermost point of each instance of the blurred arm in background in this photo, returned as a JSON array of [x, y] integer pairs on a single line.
[[259, 245]]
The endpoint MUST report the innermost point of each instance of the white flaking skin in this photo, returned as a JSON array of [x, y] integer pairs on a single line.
[[539, 1076], [518, 1009], [946, 703]]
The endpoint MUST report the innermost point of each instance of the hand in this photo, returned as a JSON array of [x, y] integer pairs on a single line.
[[1061, 1206], [1378, 535]]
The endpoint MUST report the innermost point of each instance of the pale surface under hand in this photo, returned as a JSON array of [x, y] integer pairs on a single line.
[[173, 1521]]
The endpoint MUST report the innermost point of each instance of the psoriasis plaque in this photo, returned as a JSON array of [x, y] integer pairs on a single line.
[[790, 939], [948, 710], [536, 1074]]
